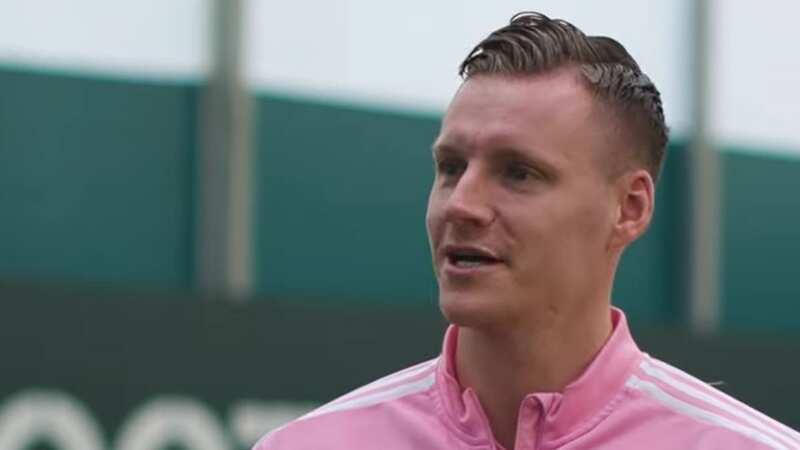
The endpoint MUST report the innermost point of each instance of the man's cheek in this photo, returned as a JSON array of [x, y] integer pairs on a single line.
[[430, 225], [433, 217]]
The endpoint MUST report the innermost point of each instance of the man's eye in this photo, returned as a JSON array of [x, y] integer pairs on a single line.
[[518, 172], [449, 167]]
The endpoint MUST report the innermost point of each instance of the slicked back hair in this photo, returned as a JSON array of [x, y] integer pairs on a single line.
[[533, 43]]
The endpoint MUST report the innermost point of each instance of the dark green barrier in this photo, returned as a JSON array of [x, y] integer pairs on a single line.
[[131, 361]]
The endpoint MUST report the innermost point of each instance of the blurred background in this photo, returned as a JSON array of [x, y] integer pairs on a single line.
[[213, 211]]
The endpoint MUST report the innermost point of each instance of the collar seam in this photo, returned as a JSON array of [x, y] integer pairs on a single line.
[[450, 423], [594, 420]]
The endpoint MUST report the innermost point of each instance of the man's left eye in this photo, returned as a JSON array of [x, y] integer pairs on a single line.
[[518, 172]]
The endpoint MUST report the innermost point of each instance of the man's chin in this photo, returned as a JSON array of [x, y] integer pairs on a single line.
[[473, 311]]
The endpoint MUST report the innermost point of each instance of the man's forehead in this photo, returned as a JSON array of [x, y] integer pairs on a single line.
[[562, 81], [536, 114], [511, 98]]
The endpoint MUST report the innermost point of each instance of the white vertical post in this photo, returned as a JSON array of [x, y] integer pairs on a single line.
[[224, 207], [704, 240]]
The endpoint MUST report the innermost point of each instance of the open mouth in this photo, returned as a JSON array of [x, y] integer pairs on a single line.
[[470, 258]]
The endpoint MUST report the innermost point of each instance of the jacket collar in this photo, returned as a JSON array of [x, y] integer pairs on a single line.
[[562, 415]]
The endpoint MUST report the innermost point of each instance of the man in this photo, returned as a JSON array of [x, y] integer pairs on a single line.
[[545, 170]]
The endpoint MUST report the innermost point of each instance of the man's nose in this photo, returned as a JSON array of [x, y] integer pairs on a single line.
[[469, 202]]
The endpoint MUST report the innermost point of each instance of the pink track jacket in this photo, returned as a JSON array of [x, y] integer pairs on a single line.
[[624, 400]]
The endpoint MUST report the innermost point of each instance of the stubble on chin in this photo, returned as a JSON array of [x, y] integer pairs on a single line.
[[473, 310]]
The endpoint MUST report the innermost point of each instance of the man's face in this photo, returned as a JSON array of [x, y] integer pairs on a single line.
[[521, 209]]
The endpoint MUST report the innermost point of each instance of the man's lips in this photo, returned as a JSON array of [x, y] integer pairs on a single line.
[[468, 258], [470, 250]]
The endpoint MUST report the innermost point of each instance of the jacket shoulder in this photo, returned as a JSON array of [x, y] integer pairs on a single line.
[[361, 417], [680, 406]]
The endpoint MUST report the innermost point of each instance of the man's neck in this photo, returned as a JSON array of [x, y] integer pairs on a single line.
[[503, 367]]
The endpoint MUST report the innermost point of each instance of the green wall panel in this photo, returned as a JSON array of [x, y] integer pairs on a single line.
[[650, 282], [341, 202], [761, 241], [96, 184], [95, 179]]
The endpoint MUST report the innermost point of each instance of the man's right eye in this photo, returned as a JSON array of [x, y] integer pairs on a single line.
[[449, 167]]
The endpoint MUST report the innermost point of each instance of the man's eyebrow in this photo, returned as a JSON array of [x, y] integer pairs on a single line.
[[443, 148], [440, 149], [528, 157]]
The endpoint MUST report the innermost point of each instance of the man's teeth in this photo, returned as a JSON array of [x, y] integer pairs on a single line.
[[464, 263]]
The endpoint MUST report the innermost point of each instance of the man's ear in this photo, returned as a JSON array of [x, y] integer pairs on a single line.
[[636, 202]]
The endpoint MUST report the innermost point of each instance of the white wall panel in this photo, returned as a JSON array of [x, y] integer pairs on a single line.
[[148, 38], [756, 75]]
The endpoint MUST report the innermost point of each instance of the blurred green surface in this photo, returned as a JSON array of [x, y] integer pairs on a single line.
[[341, 202], [761, 241], [96, 179]]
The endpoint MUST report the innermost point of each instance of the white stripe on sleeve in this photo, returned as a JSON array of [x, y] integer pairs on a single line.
[[378, 397], [708, 397], [690, 410], [396, 377]]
